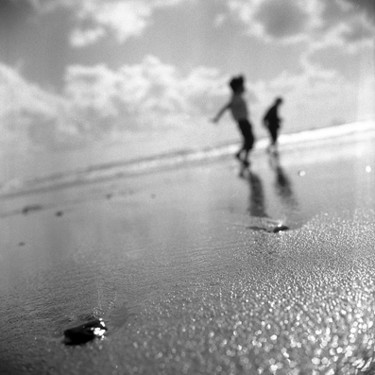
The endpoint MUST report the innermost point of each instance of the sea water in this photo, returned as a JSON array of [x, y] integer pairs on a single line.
[[48, 169]]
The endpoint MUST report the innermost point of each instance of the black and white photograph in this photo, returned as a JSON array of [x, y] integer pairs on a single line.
[[187, 187]]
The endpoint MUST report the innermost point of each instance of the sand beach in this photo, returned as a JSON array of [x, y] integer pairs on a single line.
[[186, 267]]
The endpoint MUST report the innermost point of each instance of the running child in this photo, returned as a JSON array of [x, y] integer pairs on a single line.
[[238, 108]]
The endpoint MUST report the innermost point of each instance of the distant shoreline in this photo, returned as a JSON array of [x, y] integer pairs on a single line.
[[151, 164]]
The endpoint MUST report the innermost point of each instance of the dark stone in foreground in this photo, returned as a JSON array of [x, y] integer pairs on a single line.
[[280, 228], [85, 332]]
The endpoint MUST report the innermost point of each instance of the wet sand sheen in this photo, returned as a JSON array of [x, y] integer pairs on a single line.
[[185, 283]]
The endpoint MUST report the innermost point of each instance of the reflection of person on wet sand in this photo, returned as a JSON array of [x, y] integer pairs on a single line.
[[283, 184], [272, 121], [238, 108], [256, 206]]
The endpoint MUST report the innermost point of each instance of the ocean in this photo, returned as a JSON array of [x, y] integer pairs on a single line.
[[45, 171]]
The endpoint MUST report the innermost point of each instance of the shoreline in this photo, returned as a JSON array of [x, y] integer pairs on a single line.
[[151, 164]]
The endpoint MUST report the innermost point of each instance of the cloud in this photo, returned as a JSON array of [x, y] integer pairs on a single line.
[[285, 21], [13, 13], [81, 38], [366, 6], [98, 102], [346, 24], [29, 114], [33, 117], [149, 94], [336, 22], [281, 19], [124, 19], [358, 31], [95, 19]]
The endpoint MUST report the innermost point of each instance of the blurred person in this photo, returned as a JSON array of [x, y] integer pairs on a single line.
[[272, 122], [238, 108]]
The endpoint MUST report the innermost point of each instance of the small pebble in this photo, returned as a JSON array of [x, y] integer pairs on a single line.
[[280, 228], [85, 332]]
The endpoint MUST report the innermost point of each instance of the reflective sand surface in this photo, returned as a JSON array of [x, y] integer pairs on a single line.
[[184, 269]]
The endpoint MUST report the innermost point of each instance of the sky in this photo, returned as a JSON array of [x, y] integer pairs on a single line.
[[74, 72]]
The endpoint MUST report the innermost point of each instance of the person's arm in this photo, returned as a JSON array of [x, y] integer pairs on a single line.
[[221, 112]]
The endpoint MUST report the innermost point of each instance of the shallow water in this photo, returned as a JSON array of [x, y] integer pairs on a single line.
[[174, 265], [23, 173]]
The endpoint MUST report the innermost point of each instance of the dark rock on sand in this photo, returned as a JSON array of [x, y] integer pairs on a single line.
[[85, 332], [274, 229], [280, 228]]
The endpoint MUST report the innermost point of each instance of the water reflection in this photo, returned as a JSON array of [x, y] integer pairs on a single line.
[[256, 204], [282, 192], [283, 185]]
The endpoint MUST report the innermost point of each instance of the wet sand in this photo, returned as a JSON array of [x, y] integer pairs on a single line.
[[186, 270]]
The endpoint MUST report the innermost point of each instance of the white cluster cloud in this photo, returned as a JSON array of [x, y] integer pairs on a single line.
[[95, 19], [124, 19], [336, 22], [99, 102], [318, 22], [147, 94], [81, 38], [26, 108]]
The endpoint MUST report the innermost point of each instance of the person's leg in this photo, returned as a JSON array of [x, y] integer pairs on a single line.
[[245, 160], [274, 136], [239, 153], [249, 142], [273, 140]]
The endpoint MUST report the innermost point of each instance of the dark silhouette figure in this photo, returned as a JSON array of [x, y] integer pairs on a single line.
[[256, 206], [238, 108], [272, 121]]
